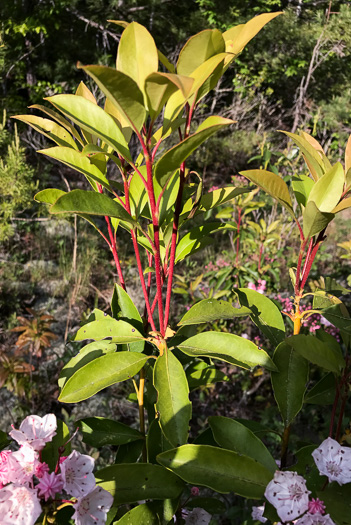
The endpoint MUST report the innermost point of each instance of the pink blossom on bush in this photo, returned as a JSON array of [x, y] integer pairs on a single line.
[[49, 485], [41, 469], [22, 465], [4, 454], [333, 461], [19, 505], [35, 431], [288, 493], [315, 519], [257, 514], [77, 474], [316, 506], [92, 509]]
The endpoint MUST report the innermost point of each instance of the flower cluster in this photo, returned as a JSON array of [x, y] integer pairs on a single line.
[[288, 493], [260, 287], [26, 482]]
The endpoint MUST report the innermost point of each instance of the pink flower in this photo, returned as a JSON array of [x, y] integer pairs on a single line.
[[77, 474], [315, 519], [4, 454], [333, 461], [195, 491], [35, 431], [92, 509], [316, 506], [19, 505], [22, 465], [257, 514], [62, 459], [288, 494], [49, 485], [251, 286], [41, 469]]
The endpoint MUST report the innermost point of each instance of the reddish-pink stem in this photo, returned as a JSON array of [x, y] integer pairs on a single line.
[[260, 257], [298, 269], [310, 246], [309, 266]]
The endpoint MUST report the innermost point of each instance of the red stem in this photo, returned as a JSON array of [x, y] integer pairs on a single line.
[[298, 269], [238, 223], [309, 265], [310, 246]]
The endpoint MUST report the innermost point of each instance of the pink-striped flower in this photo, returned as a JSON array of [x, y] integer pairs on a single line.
[[316, 506], [4, 454], [333, 461], [19, 505], [49, 485], [288, 494], [22, 465], [315, 519]]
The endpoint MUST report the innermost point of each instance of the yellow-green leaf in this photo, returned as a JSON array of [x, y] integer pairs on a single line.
[[49, 129], [198, 49], [327, 191], [160, 86], [272, 184]]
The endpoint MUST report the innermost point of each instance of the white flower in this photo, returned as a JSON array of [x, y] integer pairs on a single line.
[[77, 474], [315, 519], [19, 505], [35, 431], [288, 494], [198, 516], [257, 514], [333, 461], [92, 509], [21, 465]]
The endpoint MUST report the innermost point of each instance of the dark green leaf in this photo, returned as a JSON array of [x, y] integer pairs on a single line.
[[323, 393], [100, 431], [210, 310], [317, 352]]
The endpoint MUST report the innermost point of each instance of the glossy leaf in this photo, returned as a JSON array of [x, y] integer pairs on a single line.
[[339, 316], [317, 162], [88, 353], [348, 163], [156, 441], [338, 502], [198, 49], [302, 185], [173, 405], [61, 120], [77, 161], [264, 313], [343, 205], [272, 184], [137, 54], [326, 192], [130, 483], [160, 86], [323, 393], [92, 119], [140, 515], [165, 62], [221, 470], [193, 240], [211, 505], [123, 308], [130, 452], [314, 221], [122, 91], [100, 431], [209, 310], [239, 39], [101, 373], [232, 435], [49, 129], [289, 383], [90, 203], [227, 347], [173, 158], [317, 352], [204, 376], [119, 331], [49, 196], [220, 196]]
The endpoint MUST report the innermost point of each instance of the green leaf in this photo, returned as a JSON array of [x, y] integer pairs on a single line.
[[272, 184], [232, 435], [50, 454], [49, 129], [173, 403], [203, 375], [314, 221], [265, 314], [165, 62], [323, 393], [4, 440], [227, 347], [317, 352], [211, 505], [302, 186], [123, 308], [130, 452], [93, 119], [343, 205], [156, 441], [130, 483], [316, 161], [220, 196], [90, 203], [137, 54], [61, 120], [140, 515], [122, 91], [327, 191], [289, 383], [338, 316], [86, 354], [209, 310], [101, 373], [160, 86], [119, 331], [49, 196], [338, 502], [197, 238], [100, 431], [173, 158], [221, 470], [238, 37], [77, 161], [198, 49]]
